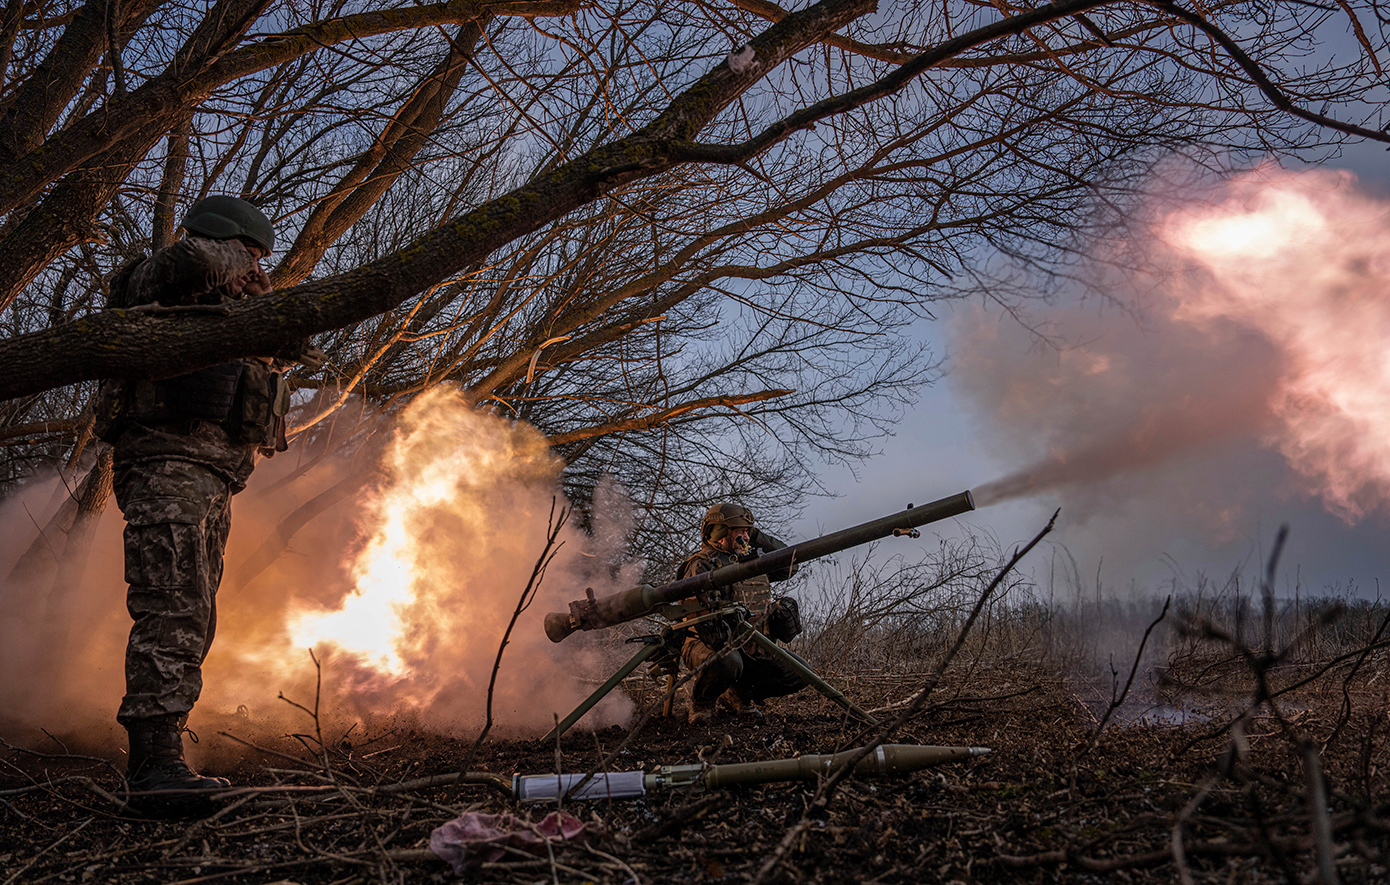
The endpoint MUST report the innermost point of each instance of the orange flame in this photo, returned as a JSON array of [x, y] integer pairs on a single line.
[[441, 455], [443, 551]]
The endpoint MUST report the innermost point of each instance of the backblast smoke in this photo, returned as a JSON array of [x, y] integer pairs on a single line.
[[403, 589]]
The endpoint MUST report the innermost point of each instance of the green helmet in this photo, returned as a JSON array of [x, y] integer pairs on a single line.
[[222, 218], [729, 516]]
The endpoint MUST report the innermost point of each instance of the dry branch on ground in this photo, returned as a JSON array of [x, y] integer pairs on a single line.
[[1035, 809]]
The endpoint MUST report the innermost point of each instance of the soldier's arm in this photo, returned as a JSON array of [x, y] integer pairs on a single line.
[[191, 271], [767, 543]]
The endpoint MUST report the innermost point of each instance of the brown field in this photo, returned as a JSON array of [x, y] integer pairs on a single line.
[[1187, 780]]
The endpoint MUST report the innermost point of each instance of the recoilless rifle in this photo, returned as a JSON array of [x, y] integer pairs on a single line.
[[668, 601]]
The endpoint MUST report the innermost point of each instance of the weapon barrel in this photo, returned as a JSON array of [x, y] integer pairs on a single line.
[[886, 760], [594, 614]]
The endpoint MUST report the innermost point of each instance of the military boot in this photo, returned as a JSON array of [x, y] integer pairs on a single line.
[[739, 705], [700, 714], [156, 758]]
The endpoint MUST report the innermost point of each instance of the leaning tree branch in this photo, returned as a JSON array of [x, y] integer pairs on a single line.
[[661, 416], [136, 344], [148, 112], [390, 154], [1013, 25], [1261, 79], [888, 85], [899, 54]]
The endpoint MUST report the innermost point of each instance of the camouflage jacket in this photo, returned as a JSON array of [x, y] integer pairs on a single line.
[[708, 557], [755, 593], [194, 270]]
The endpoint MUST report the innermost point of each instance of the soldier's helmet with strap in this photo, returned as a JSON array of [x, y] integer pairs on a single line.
[[222, 218], [722, 517]]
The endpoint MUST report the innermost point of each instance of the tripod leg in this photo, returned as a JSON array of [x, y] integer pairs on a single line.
[[602, 691], [670, 696], [810, 676]]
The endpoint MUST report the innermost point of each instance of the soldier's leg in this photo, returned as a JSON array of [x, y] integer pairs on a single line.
[[718, 674], [765, 678], [176, 526], [171, 606], [170, 507], [219, 527]]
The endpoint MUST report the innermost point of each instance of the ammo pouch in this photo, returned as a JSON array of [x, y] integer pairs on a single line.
[[784, 619], [754, 593], [258, 416], [245, 398]]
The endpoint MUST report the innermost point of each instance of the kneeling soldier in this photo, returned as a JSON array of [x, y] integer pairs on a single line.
[[738, 678]]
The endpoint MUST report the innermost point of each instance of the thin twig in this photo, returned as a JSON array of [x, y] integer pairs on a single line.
[[1318, 816], [528, 595], [1118, 700]]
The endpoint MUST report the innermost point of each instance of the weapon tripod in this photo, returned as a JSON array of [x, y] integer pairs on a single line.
[[668, 642]]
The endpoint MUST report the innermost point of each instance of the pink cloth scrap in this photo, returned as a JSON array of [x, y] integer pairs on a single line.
[[474, 839]]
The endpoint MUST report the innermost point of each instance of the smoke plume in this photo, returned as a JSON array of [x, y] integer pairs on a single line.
[[1260, 321]]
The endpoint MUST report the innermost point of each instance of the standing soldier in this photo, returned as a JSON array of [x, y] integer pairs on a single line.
[[739, 678], [183, 447]]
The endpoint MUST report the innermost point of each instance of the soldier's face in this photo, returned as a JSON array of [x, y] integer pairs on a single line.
[[257, 282], [739, 540]]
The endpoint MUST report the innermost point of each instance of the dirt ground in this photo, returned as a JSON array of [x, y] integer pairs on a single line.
[[1165, 794]]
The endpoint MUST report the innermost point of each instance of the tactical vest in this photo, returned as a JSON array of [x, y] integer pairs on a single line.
[[247, 399], [754, 593]]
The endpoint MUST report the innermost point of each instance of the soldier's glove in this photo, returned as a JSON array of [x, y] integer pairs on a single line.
[[715, 634], [312, 359], [784, 619]]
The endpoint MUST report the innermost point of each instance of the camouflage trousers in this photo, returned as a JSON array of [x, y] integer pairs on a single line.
[[753, 675], [177, 518]]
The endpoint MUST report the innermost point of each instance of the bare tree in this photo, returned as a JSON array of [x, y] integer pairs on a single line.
[[678, 238]]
